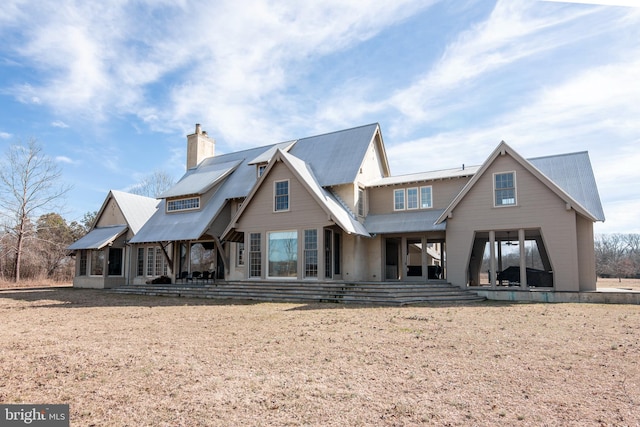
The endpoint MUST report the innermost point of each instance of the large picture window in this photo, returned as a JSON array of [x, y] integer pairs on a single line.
[[281, 196], [283, 254], [505, 189]]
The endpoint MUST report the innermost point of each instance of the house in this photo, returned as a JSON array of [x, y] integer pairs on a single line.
[[102, 255], [326, 208]]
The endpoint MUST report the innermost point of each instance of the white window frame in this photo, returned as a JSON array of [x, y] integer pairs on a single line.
[[261, 168], [360, 205], [192, 203], [296, 254], [404, 199], [430, 204], [495, 190], [275, 196], [417, 199], [240, 254]]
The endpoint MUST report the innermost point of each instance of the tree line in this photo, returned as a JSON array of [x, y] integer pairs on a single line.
[[33, 235], [618, 255]]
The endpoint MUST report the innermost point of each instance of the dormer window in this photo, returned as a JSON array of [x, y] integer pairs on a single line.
[[261, 169], [186, 204]]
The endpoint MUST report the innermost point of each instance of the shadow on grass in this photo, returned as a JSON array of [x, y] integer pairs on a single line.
[[68, 297], [427, 305]]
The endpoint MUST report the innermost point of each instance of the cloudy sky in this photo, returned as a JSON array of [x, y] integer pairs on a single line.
[[111, 89]]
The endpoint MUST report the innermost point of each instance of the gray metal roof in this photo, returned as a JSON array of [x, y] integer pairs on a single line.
[[339, 213], [335, 158], [572, 172], [405, 222], [136, 209], [425, 176], [266, 155], [200, 180], [98, 238]]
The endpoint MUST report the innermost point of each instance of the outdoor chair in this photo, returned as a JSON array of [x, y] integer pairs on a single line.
[[206, 276], [196, 275]]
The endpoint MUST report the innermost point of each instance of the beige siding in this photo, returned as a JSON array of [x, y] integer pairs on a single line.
[[537, 207], [586, 254], [371, 168], [304, 211], [111, 215], [443, 192]]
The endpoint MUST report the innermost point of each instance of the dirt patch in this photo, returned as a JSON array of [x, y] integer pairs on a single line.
[[633, 284], [149, 361]]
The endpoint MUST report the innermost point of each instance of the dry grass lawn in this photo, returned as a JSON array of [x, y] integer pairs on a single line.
[[149, 361]]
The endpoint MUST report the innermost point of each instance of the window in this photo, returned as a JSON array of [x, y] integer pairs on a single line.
[[140, 264], [426, 201], [151, 261], [281, 196], [412, 198], [398, 200], [360, 202], [115, 262], [156, 263], [310, 253], [255, 255], [283, 254], [97, 263], [240, 254], [83, 263], [505, 189], [183, 204], [261, 169]]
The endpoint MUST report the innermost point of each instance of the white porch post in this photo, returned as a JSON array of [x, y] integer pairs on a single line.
[[523, 260], [492, 255]]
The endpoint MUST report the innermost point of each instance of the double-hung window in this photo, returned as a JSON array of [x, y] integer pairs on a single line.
[[426, 198], [412, 198], [281, 196], [504, 185], [398, 200]]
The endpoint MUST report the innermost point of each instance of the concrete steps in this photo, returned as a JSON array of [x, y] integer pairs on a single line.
[[387, 293]]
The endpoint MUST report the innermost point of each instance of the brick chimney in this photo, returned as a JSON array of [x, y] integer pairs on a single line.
[[199, 147]]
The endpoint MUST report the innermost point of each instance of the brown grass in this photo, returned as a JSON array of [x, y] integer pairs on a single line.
[[150, 361]]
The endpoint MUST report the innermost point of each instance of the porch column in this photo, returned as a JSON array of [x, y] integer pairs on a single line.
[[523, 259], [403, 257], [443, 267], [492, 260], [424, 259]]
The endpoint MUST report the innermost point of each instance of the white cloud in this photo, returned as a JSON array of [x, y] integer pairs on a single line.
[[59, 124], [5, 135], [64, 159]]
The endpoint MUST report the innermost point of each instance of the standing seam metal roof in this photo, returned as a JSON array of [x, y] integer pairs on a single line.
[[334, 158]]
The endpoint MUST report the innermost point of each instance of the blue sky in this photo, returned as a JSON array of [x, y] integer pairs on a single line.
[[111, 89]]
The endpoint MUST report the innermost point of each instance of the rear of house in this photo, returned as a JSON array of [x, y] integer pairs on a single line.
[[326, 208]]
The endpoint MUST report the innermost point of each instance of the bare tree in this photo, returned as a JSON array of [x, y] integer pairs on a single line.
[[29, 184], [154, 184]]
